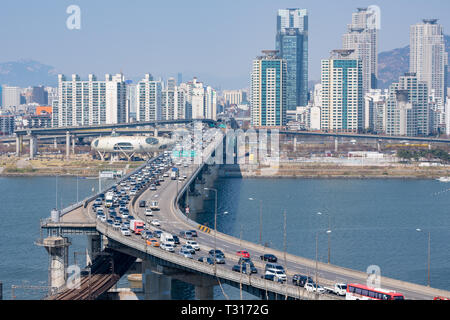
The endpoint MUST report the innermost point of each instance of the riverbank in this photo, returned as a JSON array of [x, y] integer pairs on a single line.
[[329, 170], [82, 166]]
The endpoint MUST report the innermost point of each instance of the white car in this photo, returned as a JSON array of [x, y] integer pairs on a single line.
[[125, 232], [155, 222], [193, 244], [278, 273], [165, 175], [167, 246], [312, 287], [148, 212]]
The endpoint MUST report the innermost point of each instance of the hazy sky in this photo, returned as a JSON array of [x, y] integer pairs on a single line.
[[215, 40]]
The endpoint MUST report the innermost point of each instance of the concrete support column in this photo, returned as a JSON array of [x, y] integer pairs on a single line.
[[58, 249], [156, 286], [33, 146], [295, 144], [94, 246], [155, 132], [19, 145], [55, 143], [67, 144], [73, 144], [204, 292], [379, 146], [336, 145]]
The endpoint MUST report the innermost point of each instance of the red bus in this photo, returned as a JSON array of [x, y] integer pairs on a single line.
[[361, 292]]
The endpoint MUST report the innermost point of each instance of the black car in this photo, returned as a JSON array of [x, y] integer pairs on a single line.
[[217, 251], [208, 260], [244, 268], [142, 204], [176, 239], [301, 280], [269, 257]]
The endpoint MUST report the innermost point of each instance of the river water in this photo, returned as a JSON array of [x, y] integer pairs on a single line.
[[372, 222]]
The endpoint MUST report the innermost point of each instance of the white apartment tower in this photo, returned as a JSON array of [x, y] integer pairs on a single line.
[[428, 58], [362, 36], [148, 99], [90, 102], [173, 102], [342, 98]]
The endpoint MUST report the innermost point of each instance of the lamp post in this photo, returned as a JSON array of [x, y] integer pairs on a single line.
[[260, 220], [329, 235], [429, 253], [215, 225]]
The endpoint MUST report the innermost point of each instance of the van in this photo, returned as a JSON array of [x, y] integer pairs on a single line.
[[272, 267]]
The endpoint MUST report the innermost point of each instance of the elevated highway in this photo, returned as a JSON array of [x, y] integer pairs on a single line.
[[204, 276]]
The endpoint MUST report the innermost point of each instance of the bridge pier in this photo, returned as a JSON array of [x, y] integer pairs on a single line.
[[204, 292], [155, 284], [67, 144], [19, 145], [94, 246], [33, 146], [336, 144], [73, 144], [58, 250], [295, 143]]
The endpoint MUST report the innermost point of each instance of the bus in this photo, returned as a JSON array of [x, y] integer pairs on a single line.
[[361, 292]]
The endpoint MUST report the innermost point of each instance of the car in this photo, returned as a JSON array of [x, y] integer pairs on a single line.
[[152, 242], [269, 257], [148, 212], [116, 225], [280, 275], [103, 218], [207, 260], [125, 231], [147, 234], [217, 252], [194, 244], [218, 258], [125, 214], [185, 254], [153, 187], [301, 280], [273, 267], [188, 248], [157, 233], [176, 239], [243, 253], [186, 235], [244, 268], [155, 222], [142, 204], [109, 221], [167, 246], [193, 232], [248, 264], [313, 287], [272, 277]]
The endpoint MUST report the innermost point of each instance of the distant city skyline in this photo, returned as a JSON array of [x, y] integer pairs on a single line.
[[137, 38]]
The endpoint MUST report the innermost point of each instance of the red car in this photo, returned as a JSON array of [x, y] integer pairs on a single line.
[[243, 253]]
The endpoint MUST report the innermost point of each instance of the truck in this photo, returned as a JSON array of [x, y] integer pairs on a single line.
[[339, 289], [167, 238], [109, 198], [137, 226], [174, 174]]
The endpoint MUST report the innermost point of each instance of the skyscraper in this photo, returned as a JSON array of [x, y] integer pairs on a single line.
[[292, 46], [428, 58], [268, 90], [342, 99], [362, 36], [11, 96], [173, 102]]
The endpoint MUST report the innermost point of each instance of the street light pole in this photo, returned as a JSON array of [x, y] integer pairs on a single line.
[[215, 225], [429, 254]]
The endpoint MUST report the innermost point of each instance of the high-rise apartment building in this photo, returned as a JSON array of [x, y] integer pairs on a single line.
[[342, 98], [292, 46], [11, 96], [362, 36], [408, 111], [268, 90], [201, 100], [90, 102], [235, 97], [148, 103], [173, 102], [428, 59]]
